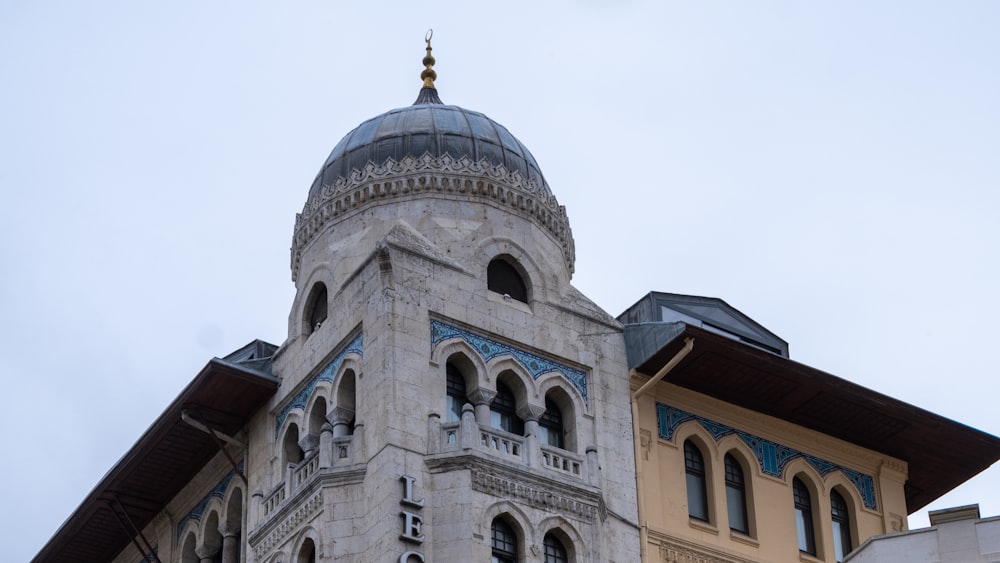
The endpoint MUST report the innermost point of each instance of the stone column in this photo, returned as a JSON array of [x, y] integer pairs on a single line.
[[433, 433], [326, 445], [482, 399], [206, 552], [532, 446], [468, 435], [593, 473], [341, 418], [230, 542], [309, 443]]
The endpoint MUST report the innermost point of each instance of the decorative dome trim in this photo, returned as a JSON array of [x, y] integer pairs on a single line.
[[431, 176]]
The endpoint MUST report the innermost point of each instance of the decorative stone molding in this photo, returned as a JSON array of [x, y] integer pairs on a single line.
[[543, 494], [488, 349], [288, 526], [771, 456], [675, 550], [355, 346], [441, 176]]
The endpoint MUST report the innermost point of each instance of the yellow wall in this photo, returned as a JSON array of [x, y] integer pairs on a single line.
[[674, 536]]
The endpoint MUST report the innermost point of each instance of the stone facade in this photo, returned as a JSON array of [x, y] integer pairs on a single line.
[[356, 457]]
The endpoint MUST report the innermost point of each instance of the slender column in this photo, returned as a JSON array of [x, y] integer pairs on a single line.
[[532, 446], [482, 399], [341, 418], [469, 433], [230, 542], [206, 552], [326, 445]]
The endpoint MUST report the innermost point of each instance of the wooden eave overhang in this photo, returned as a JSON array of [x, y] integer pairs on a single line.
[[940, 452], [166, 457]]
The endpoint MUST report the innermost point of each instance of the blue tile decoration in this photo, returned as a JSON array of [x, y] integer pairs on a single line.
[[489, 349], [219, 492], [355, 346], [772, 457]]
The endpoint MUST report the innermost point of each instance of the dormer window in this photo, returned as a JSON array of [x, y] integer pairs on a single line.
[[502, 277]]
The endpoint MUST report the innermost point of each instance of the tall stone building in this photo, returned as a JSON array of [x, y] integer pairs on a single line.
[[445, 394]]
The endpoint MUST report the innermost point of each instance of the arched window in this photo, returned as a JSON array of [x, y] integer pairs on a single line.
[[308, 552], [841, 525], [694, 469], [803, 517], [457, 396], [316, 307], [736, 496], [550, 426], [503, 277], [555, 552], [293, 453], [503, 411], [504, 542]]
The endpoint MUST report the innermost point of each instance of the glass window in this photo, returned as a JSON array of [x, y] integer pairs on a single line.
[[841, 525], [550, 426], [457, 396], [736, 496], [554, 550], [504, 542], [803, 517], [694, 469], [503, 411]]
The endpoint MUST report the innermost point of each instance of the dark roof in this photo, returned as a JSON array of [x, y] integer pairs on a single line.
[[940, 452], [224, 395], [428, 127]]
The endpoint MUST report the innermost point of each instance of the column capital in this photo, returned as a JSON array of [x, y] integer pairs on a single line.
[[230, 529], [482, 396]]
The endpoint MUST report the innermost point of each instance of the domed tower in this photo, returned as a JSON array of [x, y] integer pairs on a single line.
[[446, 393]]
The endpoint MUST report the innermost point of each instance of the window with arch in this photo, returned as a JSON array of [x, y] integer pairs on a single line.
[[503, 411], [293, 452], [736, 496], [456, 393], [697, 492], [803, 517], [308, 552], [316, 307], [550, 426], [504, 542], [841, 525], [502, 277], [555, 551]]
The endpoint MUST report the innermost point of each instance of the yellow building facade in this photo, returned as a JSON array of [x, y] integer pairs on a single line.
[[745, 455]]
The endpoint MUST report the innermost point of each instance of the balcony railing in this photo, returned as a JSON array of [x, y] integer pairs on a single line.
[[500, 441], [562, 460]]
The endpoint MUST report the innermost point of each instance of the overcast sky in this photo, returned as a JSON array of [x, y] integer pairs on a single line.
[[828, 168]]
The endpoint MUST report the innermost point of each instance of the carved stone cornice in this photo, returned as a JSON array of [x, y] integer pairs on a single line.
[[525, 486], [441, 176], [676, 550]]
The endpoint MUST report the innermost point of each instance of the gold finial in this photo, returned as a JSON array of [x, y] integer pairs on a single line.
[[428, 75]]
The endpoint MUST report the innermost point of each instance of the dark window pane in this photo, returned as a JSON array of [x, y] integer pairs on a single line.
[[457, 396], [504, 542], [736, 498], [803, 517], [550, 425], [554, 550], [694, 468], [841, 525], [503, 413]]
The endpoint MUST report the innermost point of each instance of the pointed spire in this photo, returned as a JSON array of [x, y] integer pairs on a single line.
[[428, 93]]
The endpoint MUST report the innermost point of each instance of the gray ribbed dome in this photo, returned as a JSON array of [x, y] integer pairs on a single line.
[[428, 127]]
